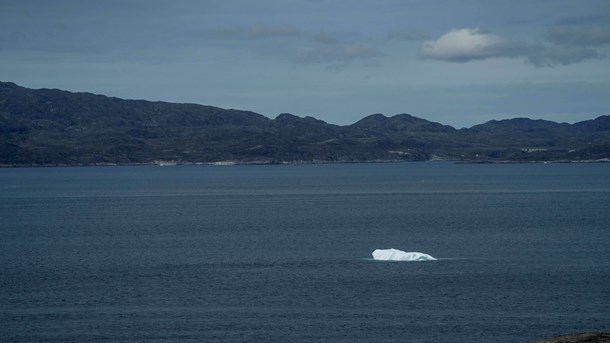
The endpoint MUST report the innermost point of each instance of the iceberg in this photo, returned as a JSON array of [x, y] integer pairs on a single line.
[[399, 255]]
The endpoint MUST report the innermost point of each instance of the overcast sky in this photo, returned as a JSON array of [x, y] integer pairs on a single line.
[[456, 62]]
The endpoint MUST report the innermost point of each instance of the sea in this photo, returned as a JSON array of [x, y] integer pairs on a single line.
[[282, 253]]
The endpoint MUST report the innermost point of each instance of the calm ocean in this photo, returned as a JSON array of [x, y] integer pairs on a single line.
[[283, 253]]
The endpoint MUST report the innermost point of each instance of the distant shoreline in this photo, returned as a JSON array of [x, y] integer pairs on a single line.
[[263, 162], [54, 128]]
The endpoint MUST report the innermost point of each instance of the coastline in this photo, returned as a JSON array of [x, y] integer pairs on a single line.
[[276, 162]]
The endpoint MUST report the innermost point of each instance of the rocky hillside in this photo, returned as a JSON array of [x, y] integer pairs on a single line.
[[55, 127]]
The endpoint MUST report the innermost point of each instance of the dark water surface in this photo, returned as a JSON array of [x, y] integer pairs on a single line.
[[282, 253]]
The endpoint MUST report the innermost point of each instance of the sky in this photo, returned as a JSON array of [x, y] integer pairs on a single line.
[[460, 63]]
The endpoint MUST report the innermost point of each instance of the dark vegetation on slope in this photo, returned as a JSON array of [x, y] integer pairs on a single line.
[[55, 127]]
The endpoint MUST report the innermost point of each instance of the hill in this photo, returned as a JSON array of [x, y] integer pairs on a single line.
[[56, 127]]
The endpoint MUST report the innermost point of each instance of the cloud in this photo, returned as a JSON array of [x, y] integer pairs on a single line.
[[252, 32], [333, 50], [298, 46], [579, 35], [407, 36], [324, 38], [336, 53], [597, 19], [273, 31], [464, 45], [554, 56]]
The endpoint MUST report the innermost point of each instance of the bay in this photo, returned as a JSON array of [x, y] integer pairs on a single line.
[[283, 253]]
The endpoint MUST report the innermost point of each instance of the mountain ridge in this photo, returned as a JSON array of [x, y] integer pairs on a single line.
[[58, 127]]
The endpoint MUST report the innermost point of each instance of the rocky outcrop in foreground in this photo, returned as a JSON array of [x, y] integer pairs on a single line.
[[590, 337]]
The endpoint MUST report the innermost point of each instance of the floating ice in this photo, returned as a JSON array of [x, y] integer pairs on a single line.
[[399, 255]]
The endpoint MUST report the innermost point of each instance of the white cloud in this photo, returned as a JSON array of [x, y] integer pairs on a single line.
[[463, 45]]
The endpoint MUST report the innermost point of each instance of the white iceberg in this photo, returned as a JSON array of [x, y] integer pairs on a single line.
[[399, 255]]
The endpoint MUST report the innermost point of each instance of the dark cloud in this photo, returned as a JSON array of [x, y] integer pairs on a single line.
[[299, 46], [407, 36], [337, 53], [324, 38], [579, 35], [252, 32], [555, 56], [595, 19]]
